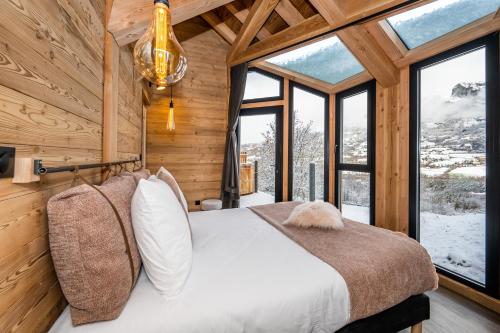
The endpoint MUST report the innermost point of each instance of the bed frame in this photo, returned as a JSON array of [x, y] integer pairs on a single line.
[[409, 313]]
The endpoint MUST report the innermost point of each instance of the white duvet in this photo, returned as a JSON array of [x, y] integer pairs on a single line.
[[246, 277]]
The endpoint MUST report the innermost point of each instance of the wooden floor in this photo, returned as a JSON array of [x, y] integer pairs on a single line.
[[451, 313]]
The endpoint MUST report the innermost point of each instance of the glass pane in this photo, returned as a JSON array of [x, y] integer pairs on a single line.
[[428, 22], [308, 146], [355, 196], [453, 164], [261, 86], [327, 60], [257, 159], [355, 129]]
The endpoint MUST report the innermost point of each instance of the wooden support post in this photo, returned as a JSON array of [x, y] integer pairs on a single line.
[[110, 112], [416, 328], [331, 160]]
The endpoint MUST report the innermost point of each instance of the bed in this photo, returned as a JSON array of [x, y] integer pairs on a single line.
[[249, 277]]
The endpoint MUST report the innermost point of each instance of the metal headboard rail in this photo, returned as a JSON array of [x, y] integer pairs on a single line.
[[39, 169]]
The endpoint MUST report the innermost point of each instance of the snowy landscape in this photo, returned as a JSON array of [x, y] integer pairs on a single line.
[[452, 176]]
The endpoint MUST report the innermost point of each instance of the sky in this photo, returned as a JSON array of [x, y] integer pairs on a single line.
[[252, 128]]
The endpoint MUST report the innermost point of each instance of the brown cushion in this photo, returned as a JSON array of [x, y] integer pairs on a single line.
[[170, 180], [88, 248]]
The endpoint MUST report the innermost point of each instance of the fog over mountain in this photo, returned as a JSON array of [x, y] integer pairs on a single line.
[[466, 100]]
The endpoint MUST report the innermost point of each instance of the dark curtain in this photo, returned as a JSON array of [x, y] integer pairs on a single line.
[[230, 189]]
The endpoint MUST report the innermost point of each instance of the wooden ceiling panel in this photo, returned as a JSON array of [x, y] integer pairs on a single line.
[[219, 26], [259, 13], [129, 19], [229, 19], [289, 13], [240, 11], [275, 23], [304, 7]]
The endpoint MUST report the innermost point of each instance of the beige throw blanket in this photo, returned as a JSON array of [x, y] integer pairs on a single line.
[[381, 268]]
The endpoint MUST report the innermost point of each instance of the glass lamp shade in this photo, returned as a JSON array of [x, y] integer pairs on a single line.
[[170, 119], [158, 55]]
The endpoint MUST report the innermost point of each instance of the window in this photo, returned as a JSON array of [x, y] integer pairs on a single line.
[[327, 60], [355, 180], [425, 23], [260, 146], [308, 144], [454, 194], [262, 86]]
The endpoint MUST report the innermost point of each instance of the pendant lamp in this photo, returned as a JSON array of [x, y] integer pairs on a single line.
[[158, 55]]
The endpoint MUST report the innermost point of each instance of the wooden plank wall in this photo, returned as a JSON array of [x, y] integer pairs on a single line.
[[51, 105], [129, 107], [194, 152]]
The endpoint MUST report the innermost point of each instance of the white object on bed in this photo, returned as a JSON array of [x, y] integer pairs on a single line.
[[183, 198], [246, 277], [163, 236], [211, 204], [318, 214]]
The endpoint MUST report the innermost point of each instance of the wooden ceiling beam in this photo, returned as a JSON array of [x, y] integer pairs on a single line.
[[294, 76], [130, 18], [312, 82], [330, 10], [387, 38], [289, 13], [242, 15], [309, 28], [219, 26], [366, 49], [259, 13]]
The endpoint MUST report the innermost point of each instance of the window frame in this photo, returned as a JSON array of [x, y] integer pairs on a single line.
[[271, 76], [369, 167], [492, 229], [278, 159], [326, 97]]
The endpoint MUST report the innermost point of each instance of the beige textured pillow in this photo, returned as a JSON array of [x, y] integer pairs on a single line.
[[316, 214], [89, 251], [168, 178]]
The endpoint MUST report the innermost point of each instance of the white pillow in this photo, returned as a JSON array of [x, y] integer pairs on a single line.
[[163, 235], [183, 198], [316, 214]]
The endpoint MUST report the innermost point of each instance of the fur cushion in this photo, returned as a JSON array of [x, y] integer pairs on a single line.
[[316, 214]]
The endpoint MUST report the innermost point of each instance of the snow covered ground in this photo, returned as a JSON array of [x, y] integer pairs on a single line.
[[356, 213], [455, 242], [471, 171], [255, 199]]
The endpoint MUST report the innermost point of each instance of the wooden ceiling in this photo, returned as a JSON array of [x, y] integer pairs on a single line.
[[257, 28]]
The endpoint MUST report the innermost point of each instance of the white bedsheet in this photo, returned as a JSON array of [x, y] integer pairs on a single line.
[[246, 277]]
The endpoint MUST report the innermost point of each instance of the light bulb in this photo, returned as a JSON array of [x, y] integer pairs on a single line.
[[170, 119], [158, 55]]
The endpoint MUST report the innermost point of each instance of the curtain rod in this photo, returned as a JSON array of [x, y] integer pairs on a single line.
[[39, 169]]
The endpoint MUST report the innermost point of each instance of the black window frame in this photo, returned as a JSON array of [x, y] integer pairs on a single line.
[[291, 86], [269, 75], [491, 45], [369, 167], [278, 112]]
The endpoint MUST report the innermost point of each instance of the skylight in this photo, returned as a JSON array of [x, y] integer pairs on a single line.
[[425, 23], [327, 60]]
